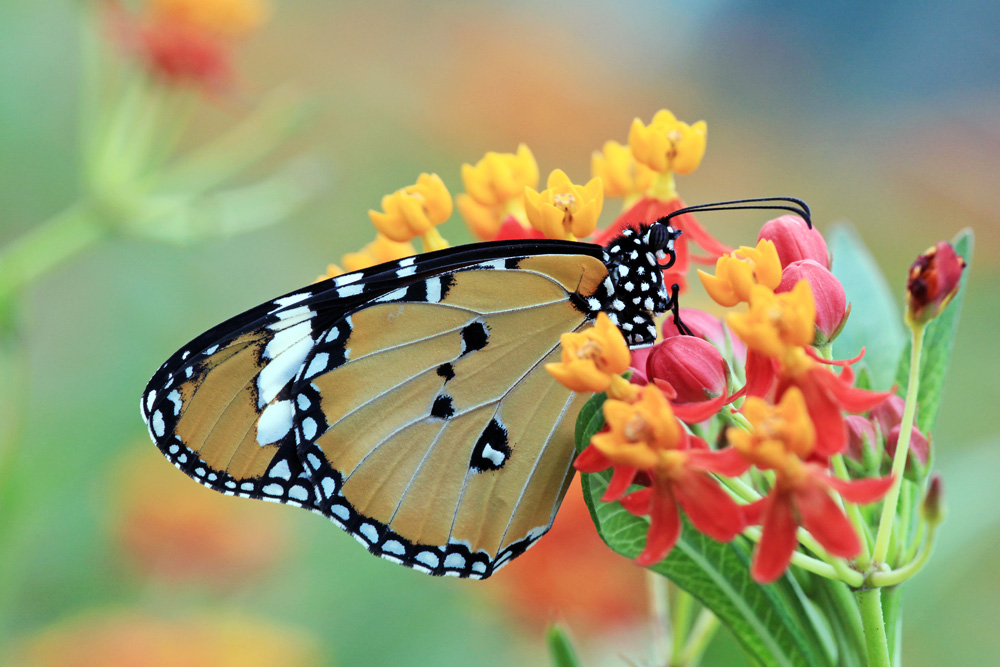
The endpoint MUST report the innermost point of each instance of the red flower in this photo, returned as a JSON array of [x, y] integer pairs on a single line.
[[795, 240], [933, 281], [888, 415], [828, 293], [697, 374], [783, 438], [644, 442]]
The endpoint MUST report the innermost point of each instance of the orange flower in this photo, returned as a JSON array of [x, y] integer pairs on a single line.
[[737, 272], [565, 210], [591, 359], [777, 323], [415, 211], [667, 144], [494, 191], [134, 637], [231, 18], [199, 535], [783, 439]]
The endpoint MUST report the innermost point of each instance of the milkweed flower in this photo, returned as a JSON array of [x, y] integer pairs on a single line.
[[795, 240], [696, 373], [667, 144], [565, 210], [592, 358], [188, 41], [494, 191], [620, 173], [646, 438], [778, 329], [737, 272], [933, 280], [382, 249], [414, 211], [782, 438], [828, 294]]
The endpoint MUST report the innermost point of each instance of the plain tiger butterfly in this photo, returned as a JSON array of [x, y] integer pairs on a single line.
[[408, 402]]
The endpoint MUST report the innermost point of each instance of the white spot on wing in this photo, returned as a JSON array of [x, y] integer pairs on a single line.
[[274, 422], [159, 427], [350, 290], [340, 281], [318, 364], [434, 290], [279, 371], [281, 470]]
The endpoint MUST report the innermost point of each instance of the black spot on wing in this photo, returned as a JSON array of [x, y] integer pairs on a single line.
[[442, 408], [474, 337], [492, 450], [447, 371]]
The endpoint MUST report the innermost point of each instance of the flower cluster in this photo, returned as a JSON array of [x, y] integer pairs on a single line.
[[759, 385]]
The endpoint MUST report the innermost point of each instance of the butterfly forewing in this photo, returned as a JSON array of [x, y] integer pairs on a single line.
[[433, 432]]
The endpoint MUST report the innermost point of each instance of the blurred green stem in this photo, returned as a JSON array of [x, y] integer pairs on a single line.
[[46, 246], [701, 635], [659, 607], [681, 620]]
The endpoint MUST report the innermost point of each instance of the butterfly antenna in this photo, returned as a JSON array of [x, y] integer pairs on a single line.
[[791, 204]]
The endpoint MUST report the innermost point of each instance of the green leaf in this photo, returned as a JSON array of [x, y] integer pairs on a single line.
[[939, 339], [561, 647], [770, 622], [875, 322], [590, 420]]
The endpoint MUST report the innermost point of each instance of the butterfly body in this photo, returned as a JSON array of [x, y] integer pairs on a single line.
[[409, 403]]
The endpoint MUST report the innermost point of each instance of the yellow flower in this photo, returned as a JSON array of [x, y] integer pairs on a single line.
[[592, 358], [667, 144], [382, 249], [500, 177], [565, 210], [777, 323], [640, 434], [483, 221], [783, 435], [737, 272], [618, 170], [415, 211], [224, 17]]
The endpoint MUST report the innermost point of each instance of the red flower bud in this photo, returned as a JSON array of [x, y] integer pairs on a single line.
[[706, 327], [828, 293], [860, 436], [933, 281], [795, 240], [889, 413], [919, 445], [694, 368]]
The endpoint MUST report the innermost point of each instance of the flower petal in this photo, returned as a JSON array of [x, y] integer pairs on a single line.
[[664, 528], [778, 542], [823, 518]]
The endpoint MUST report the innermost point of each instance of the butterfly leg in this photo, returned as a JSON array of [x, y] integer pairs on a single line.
[[675, 309]]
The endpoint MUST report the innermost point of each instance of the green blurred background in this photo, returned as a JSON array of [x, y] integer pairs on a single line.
[[885, 116]]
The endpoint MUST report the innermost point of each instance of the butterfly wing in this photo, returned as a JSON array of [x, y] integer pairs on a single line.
[[431, 428], [230, 408]]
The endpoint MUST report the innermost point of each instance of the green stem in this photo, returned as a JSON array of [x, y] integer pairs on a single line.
[[876, 643], [683, 606], [46, 246], [659, 608], [854, 513], [701, 635], [840, 566], [901, 574], [884, 534]]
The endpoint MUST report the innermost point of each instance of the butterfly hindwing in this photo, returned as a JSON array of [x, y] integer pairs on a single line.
[[434, 434]]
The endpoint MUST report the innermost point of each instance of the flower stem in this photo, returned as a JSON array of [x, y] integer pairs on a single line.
[[901, 574], [659, 608], [902, 447], [681, 620], [701, 635], [854, 512], [876, 643], [46, 246]]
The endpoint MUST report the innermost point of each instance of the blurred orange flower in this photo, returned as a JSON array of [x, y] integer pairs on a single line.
[[172, 528], [133, 638], [572, 574]]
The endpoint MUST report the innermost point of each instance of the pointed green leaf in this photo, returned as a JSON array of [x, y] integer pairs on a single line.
[[770, 622], [561, 647], [875, 322], [939, 339]]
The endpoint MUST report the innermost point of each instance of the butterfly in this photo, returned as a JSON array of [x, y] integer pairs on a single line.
[[408, 402]]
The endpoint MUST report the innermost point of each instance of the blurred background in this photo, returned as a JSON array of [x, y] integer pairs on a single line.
[[884, 116]]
